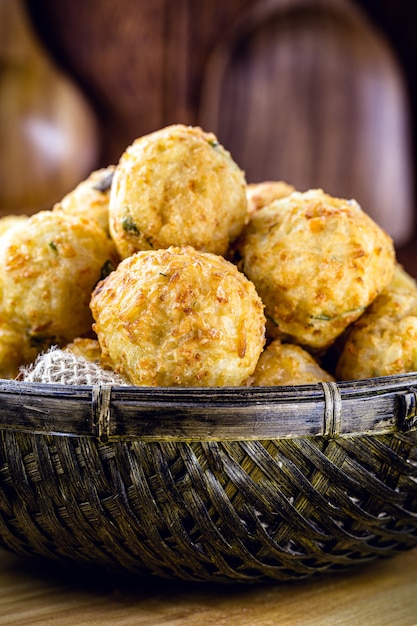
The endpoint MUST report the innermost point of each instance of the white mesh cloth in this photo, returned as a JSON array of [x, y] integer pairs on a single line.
[[65, 368]]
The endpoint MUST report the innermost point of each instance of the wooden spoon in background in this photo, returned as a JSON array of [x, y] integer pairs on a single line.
[[309, 91], [48, 133]]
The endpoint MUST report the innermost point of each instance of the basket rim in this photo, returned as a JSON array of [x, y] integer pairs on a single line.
[[112, 412]]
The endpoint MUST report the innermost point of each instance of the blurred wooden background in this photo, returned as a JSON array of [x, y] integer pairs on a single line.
[[315, 92]]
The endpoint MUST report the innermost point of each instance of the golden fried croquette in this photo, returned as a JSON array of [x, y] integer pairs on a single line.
[[49, 266], [259, 195], [177, 186], [287, 364], [89, 349], [85, 347], [15, 350], [383, 341], [90, 199], [317, 262], [179, 317]]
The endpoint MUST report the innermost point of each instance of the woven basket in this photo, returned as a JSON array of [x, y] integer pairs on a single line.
[[231, 485]]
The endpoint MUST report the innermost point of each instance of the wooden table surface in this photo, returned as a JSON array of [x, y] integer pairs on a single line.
[[378, 594]]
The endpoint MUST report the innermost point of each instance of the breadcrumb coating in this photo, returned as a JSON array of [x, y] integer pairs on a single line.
[[383, 341], [85, 347], [287, 364], [174, 187], [317, 262], [49, 266], [179, 317]]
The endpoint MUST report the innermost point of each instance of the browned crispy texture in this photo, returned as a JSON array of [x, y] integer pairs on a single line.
[[177, 186], [287, 364], [317, 262], [383, 342], [49, 265], [179, 317]]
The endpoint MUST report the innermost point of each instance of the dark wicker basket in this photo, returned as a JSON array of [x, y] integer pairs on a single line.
[[242, 484]]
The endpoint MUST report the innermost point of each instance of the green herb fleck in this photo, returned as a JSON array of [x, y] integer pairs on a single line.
[[327, 318], [104, 183], [271, 319], [129, 225], [106, 269], [53, 247]]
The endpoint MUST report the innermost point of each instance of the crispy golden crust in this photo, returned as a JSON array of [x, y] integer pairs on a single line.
[[87, 348], [177, 186], [287, 364], [90, 350], [261, 194], [48, 268], [179, 317], [383, 341], [90, 199], [317, 262]]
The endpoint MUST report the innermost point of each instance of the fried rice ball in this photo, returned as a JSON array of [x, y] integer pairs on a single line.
[[179, 317], [287, 364], [174, 187], [317, 262], [383, 341], [88, 349], [90, 199], [85, 347], [49, 266], [259, 195]]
